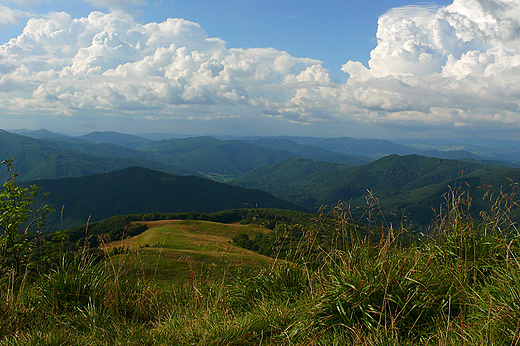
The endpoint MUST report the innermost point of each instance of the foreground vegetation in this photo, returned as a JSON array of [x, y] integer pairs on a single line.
[[338, 283]]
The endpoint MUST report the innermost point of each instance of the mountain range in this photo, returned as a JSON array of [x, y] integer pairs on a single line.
[[44, 159], [43, 155], [125, 173]]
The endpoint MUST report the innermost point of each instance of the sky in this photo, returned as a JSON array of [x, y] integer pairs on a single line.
[[329, 68]]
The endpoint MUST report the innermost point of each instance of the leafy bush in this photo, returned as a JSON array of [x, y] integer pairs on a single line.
[[17, 220]]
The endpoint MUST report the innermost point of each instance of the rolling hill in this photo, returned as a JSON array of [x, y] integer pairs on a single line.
[[211, 156], [328, 183], [43, 159], [171, 249], [136, 190], [40, 134], [410, 183], [111, 137], [309, 152], [102, 149], [294, 178]]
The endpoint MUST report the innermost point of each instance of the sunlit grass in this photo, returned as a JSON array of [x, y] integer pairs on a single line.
[[173, 251]]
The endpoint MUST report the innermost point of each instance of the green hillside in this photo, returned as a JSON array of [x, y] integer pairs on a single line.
[[394, 173], [170, 249], [309, 152], [42, 159], [327, 183], [111, 137], [292, 178], [41, 134], [103, 149], [106, 144], [136, 190], [412, 184], [209, 155]]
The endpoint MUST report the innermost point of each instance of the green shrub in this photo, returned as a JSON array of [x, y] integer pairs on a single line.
[[18, 219]]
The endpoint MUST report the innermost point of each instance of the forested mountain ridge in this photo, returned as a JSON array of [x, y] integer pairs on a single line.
[[112, 137], [222, 160], [275, 165], [43, 159], [373, 148], [206, 156], [328, 182], [310, 152], [213, 156], [410, 183], [136, 190]]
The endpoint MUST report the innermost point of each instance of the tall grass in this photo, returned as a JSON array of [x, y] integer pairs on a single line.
[[459, 285]]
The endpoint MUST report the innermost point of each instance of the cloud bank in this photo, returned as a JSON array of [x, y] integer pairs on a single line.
[[453, 67], [110, 63]]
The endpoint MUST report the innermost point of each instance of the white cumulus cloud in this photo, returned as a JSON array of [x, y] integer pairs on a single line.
[[457, 65], [110, 63]]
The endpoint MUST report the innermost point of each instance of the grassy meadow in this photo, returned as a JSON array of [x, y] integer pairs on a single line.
[[171, 251]]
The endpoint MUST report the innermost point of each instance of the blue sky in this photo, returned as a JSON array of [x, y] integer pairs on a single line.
[[329, 68]]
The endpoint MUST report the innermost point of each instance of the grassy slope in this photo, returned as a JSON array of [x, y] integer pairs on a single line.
[[456, 288], [170, 250]]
